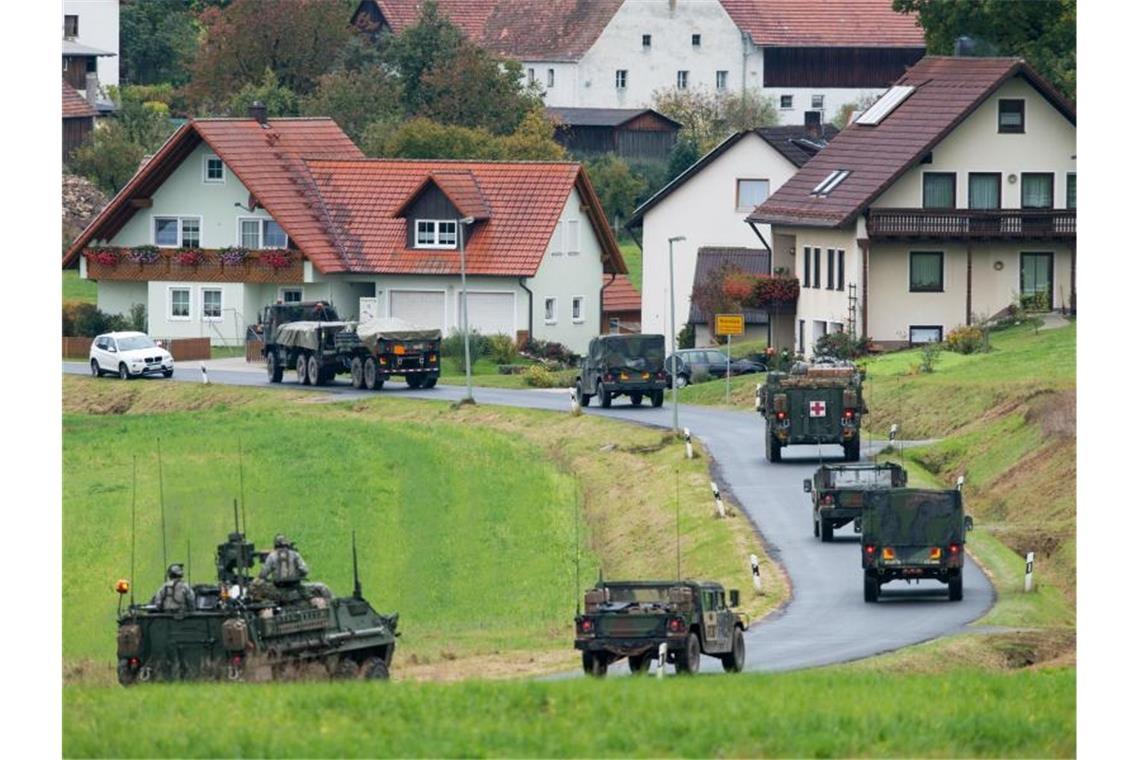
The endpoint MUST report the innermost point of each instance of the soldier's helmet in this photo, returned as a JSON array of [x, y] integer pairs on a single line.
[[174, 571], [280, 542]]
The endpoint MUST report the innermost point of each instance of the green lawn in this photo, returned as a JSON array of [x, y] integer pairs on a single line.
[[822, 713], [77, 289], [632, 255]]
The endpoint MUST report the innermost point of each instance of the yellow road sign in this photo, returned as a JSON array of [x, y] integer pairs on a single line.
[[729, 324]]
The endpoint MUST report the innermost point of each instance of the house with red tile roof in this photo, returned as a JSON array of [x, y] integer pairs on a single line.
[[233, 214], [78, 119], [621, 305], [949, 198], [811, 56]]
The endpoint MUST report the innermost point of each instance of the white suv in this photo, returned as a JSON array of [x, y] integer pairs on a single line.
[[130, 354]]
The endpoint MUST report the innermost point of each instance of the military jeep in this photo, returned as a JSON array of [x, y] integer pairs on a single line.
[[632, 619], [623, 365], [819, 403], [838, 490]]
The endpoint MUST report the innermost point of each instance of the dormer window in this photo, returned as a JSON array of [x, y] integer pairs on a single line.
[[436, 233]]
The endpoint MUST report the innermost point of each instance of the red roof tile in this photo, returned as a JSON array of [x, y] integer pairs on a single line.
[[468, 15], [825, 23], [75, 106], [947, 91], [620, 295]]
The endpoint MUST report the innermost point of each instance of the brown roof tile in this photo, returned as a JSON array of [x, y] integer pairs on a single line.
[[825, 23], [75, 106], [620, 295]]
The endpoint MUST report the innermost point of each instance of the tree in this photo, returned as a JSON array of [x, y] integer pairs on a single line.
[[616, 185], [157, 40], [712, 298], [278, 100], [108, 158], [1043, 33], [475, 89], [355, 99], [424, 138], [431, 41], [683, 155], [709, 118]]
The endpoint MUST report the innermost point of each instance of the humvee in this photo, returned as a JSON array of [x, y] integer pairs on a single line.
[[632, 619], [812, 404], [301, 336], [623, 365], [912, 533], [837, 493]]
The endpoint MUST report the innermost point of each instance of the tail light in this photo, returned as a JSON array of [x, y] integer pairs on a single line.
[[676, 625], [955, 548], [586, 626], [849, 413], [235, 660], [660, 375], [608, 377], [399, 350], [781, 415], [827, 500], [869, 549], [888, 553], [936, 553], [133, 662]]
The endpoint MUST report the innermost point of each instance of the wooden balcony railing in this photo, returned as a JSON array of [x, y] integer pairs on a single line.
[[1012, 224], [145, 263]]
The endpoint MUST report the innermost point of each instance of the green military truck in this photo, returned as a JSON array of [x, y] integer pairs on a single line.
[[375, 351], [623, 365], [838, 491], [813, 404], [300, 336], [632, 619], [913, 533]]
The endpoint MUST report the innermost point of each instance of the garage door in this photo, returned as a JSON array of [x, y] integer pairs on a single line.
[[423, 308], [491, 313]]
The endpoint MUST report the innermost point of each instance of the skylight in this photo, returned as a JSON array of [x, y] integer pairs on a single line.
[[885, 105], [831, 182]]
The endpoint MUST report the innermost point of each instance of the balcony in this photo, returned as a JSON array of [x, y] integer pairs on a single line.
[[1012, 224], [146, 262]]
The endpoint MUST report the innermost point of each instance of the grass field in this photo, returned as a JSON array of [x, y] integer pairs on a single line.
[[465, 519], [632, 255], [77, 289], [825, 713]]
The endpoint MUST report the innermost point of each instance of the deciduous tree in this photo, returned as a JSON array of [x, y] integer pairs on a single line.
[[157, 41], [355, 99], [709, 118]]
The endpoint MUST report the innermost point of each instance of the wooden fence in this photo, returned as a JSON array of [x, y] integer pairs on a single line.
[[182, 349]]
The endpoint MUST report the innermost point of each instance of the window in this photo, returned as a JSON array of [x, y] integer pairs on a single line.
[[211, 304], [272, 236], [925, 334], [551, 311], [817, 101], [180, 303], [807, 267], [800, 341], [1037, 190], [550, 77], [721, 80], [925, 272], [1011, 116], [556, 240], [682, 80], [1071, 191], [292, 295], [785, 102], [576, 308], [646, 41], [839, 267], [830, 182], [70, 27], [750, 193], [696, 40], [928, 158], [530, 76], [883, 107], [831, 269], [213, 170], [572, 246], [815, 267], [177, 232], [620, 78], [261, 233], [938, 190], [436, 233], [985, 191]]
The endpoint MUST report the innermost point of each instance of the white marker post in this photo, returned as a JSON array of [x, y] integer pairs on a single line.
[[758, 386], [205, 377], [662, 653], [1028, 572], [688, 444], [756, 573], [575, 407], [719, 503]]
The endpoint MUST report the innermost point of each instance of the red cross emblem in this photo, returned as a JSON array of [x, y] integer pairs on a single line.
[[817, 409]]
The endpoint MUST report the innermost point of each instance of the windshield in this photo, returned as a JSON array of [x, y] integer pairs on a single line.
[[645, 353], [860, 478], [135, 342], [638, 594]]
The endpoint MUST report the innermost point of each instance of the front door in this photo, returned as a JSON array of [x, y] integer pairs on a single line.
[[1037, 281]]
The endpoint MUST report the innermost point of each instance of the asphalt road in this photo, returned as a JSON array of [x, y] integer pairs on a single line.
[[826, 620]]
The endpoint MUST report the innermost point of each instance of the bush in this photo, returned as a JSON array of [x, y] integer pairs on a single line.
[[538, 376], [687, 338], [501, 349], [841, 345], [84, 320], [966, 339], [550, 351], [137, 317], [452, 347], [930, 352]]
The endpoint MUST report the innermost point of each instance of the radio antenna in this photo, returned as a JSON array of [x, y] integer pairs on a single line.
[[237, 526], [677, 509], [161, 504], [134, 489], [577, 553], [188, 574], [241, 490], [355, 572]]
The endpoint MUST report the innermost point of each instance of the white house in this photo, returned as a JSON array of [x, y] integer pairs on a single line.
[[91, 37], [234, 214], [950, 198]]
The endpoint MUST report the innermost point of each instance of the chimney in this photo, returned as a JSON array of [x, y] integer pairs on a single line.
[[812, 125], [257, 111], [92, 89]]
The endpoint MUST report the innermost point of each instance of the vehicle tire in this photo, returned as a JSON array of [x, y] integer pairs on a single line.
[[956, 587], [370, 375], [689, 659], [681, 381], [635, 399], [870, 587], [346, 669], [127, 674], [826, 531], [356, 369], [851, 450], [429, 382], [640, 664], [414, 381], [316, 371], [273, 368], [302, 370], [95, 371], [124, 373], [594, 664], [773, 449], [583, 398], [604, 397], [168, 373], [374, 668], [815, 526], [657, 398], [733, 662]]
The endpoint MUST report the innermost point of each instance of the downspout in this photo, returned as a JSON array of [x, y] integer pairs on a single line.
[[969, 278], [865, 246], [602, 304], [529, 311]]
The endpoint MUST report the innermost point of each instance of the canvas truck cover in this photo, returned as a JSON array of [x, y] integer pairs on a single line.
[[392, 328], [304, 334], [913, 517], [644, 353]]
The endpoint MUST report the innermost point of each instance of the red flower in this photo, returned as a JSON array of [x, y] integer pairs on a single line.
[[107, 257], [190, 257], [276, 259]]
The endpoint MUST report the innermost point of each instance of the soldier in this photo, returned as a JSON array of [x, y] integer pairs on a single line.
[[174, 595], [284, 565]]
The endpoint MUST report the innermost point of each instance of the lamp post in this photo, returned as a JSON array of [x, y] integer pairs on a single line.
[[463, 287], [673, 328]]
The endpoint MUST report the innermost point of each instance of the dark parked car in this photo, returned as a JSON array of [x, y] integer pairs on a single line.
[[699, 363]]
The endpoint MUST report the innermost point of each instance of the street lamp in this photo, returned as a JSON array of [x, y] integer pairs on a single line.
[[673, 328], [463, 286]]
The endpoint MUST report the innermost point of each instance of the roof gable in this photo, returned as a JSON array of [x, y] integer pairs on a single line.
[[606, 117], [824, 23], [620, 295], [75, 106], [459, 187]]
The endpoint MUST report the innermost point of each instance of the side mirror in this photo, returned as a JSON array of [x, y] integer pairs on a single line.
[[969, 523], [112, 349], [807, 485], [734, 597]]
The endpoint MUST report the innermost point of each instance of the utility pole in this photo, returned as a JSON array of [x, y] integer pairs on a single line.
[[463, 286], [673, 328]]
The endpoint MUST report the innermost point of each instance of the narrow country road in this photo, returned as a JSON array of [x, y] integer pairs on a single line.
[[826, 620]]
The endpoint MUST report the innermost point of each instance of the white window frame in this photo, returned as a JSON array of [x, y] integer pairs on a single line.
[[580, 303], [170, 316], [573, 237], [621, 78], [910, 334], [814, 99], [282, 290], [791, 102], [556, 240], [206, 179], [739, 180], [552, 302], [261, 222], [722, 79], [180, 217], [221, 302], [436, 245], [682, 79]]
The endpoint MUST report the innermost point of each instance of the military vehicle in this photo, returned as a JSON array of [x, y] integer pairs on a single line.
[[912, 533], [301, 336], [837, 493], [813, 404], [633, 618], [234, 634], [623, 365], [377, 350]]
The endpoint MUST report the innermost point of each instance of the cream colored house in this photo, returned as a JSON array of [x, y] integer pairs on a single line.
[[949, 199]]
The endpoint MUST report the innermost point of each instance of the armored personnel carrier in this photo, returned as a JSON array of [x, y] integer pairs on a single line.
[[231, 634], [813, 404]]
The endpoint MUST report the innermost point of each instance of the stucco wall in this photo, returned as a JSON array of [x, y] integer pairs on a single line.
[[114, 297], [821, 304], [229, 329], [834, 98]]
